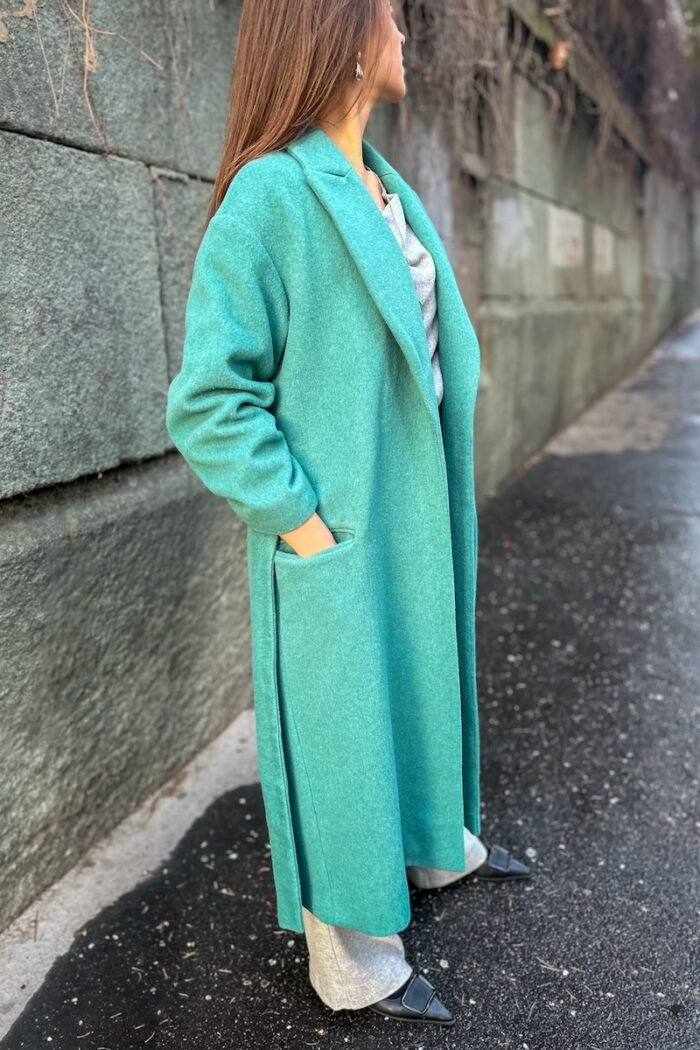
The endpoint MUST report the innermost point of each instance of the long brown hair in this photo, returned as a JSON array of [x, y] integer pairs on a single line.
[[293, 64]]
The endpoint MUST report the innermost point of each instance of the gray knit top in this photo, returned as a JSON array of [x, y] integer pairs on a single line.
[[422, 268]]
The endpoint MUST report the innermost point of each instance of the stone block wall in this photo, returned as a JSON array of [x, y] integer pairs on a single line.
[[572, 269], [123, 607]]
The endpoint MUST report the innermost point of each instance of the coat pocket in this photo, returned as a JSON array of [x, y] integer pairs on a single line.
[[343, 536], [323, 605]]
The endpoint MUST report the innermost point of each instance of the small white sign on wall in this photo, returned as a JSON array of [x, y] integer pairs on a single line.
[[566, 244], [513, 233], [603, 249]]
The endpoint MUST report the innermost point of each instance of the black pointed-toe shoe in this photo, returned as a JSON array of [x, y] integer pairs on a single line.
[[499, 865], [415, 1000]]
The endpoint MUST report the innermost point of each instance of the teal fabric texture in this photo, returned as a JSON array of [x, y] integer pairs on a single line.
[[306, 385]]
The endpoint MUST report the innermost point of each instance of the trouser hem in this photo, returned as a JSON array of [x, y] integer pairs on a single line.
[[378, 989]]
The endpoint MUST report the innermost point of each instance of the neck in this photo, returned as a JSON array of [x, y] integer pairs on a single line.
[[347, 135]]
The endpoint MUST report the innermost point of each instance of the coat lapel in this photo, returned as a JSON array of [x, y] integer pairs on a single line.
[[371, 243]]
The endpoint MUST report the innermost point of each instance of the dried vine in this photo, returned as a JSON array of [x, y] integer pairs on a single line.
[[464, 52]]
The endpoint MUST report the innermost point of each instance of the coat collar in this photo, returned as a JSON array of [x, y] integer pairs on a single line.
[[373, 246]]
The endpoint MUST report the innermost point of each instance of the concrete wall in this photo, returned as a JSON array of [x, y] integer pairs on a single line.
[[123, 606], [695, 263], [123, 611], [572, 270]]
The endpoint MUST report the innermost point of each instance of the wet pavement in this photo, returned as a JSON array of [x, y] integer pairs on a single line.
[[589, 653]]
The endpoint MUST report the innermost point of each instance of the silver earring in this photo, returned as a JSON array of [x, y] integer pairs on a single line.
[[359, 72]]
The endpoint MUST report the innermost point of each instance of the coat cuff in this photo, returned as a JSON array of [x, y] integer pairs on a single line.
[[275, 521]]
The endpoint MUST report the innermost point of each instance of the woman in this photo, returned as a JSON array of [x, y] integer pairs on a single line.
[[313, 398]]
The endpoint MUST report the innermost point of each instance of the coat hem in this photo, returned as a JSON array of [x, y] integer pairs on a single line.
[[380, 930]]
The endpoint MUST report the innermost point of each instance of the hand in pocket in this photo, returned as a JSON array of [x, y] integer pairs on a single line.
[[308, 539]]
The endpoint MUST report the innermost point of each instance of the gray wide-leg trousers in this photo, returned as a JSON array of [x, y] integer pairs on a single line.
[[349, 969]]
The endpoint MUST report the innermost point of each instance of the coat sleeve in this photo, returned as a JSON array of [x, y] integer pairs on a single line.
[[219, 406]]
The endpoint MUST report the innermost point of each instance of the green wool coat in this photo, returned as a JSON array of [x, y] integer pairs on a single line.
[[306, 386]]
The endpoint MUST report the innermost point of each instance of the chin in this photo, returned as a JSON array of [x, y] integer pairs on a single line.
[[397, 92]]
